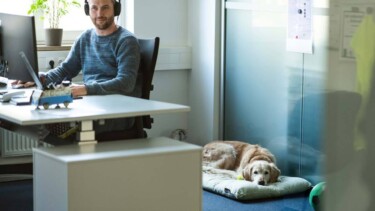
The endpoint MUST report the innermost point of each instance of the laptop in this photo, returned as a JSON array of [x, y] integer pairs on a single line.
[[31, 71]]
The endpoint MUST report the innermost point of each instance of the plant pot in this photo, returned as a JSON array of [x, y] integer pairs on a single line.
[[53, 37]]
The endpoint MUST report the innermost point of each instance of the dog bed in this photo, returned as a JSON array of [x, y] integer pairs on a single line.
[[245, 190]]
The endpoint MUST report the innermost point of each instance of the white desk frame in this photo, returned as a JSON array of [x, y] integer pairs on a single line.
[[87, 110]]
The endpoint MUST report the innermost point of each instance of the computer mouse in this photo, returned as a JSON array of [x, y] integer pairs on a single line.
[[2, 84]]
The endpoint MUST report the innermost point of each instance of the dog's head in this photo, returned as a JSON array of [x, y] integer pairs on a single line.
[[261, 172]]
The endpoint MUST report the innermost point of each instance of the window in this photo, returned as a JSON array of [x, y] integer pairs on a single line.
[[73, 24], [19, 7]]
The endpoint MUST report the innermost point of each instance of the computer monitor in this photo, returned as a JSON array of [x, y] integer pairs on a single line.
[[17, 34]]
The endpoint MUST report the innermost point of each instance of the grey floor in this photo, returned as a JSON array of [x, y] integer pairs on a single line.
[[18, 196]]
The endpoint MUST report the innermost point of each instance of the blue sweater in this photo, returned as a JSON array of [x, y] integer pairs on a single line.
[[109, 64]]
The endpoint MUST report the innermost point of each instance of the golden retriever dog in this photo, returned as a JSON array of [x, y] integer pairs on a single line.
[[251, 162]]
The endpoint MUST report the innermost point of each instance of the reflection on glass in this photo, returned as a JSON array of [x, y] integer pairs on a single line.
[[273, 97], [350, 120]]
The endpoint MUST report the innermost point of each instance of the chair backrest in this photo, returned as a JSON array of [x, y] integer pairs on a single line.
[[149, 49], [149, 54]]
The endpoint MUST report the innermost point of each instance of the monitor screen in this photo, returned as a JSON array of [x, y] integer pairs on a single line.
[[17, 34]]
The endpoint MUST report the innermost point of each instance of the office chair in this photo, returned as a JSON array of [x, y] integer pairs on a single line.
[[149, 52]]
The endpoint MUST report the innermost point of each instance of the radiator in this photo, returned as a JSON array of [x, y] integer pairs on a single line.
[[14, 144]]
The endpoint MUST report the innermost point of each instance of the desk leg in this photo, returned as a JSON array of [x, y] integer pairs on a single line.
[[41, 135], [86, 134]]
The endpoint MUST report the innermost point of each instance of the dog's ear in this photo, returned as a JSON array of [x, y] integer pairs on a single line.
[[275, 173], [246, 172]]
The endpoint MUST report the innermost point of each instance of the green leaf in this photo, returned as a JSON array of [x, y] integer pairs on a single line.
[[58, 8]]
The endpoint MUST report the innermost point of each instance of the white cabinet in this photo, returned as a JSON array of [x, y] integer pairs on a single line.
[[144, 174]]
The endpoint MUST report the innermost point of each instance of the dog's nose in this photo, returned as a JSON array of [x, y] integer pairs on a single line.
[[261, 183]]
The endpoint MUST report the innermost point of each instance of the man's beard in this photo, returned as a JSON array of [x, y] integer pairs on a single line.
[[103, 25]]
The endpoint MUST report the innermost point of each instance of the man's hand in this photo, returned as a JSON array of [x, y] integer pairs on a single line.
[[42, 78], [24, 84], [78, 90]]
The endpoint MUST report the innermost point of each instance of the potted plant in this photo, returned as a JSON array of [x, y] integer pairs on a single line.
[[53, 10]]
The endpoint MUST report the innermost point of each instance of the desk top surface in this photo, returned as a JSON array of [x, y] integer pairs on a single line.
[[115, 149], [88, 108]]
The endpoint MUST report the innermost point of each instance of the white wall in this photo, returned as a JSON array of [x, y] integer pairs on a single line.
[[170, 86], [204, 31], [195, 23], [165, 18], [153, 18]]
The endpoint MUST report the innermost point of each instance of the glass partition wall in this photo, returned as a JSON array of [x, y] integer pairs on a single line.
[[350, 119], [315, 112], [271, 96]]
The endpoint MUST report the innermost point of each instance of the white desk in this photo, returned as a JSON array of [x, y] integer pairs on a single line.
[[87, 110], [148, 174]]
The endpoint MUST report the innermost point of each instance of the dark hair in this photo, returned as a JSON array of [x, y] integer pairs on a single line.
[[116, 7]]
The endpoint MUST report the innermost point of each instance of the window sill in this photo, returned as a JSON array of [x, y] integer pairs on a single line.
[[169, 58], [54, 48]]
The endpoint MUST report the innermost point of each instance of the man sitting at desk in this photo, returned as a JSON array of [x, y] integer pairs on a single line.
[[108, 56]]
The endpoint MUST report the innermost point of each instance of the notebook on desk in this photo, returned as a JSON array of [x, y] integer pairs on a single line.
[[24, 99]]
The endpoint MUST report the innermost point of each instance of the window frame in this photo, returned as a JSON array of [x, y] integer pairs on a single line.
[[126, 18]]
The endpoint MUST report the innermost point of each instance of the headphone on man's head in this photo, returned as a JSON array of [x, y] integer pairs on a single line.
[[117, 8]]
